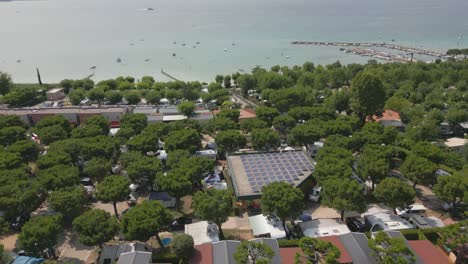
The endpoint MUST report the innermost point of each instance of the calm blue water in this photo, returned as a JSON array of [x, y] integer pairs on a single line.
[[64, 38]]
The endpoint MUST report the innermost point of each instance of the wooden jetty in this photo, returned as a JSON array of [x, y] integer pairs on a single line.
[[169, 76]]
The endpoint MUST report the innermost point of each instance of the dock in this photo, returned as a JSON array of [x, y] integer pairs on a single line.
[[169, 76], [368, 49]]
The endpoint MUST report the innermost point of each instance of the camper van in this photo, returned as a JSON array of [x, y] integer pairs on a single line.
[[314, 195], [386, 222]]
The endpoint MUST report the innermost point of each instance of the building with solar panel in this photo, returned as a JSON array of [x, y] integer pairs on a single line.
[[251, 171]]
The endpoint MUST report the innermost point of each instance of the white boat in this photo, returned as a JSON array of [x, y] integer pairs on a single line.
[[225, 49]]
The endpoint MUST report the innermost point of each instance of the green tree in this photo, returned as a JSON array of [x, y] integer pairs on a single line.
[[454, 235], [114, 96], [54, 158], [28, 149], [39, 233], [394, 193], [305, 134], [188, 139], [452, 188], [97, 95], [69, 201], [24, 96], [246, 82], [219, 79], [391, 250], [146, 220], [132, 97], [137, 122], [373, 164], [250, 252], [177, 183], [153, 97], [213, 205], [4, 257], [418, 169], [11, 120], [227, 81], [51, 134], [141, 169], [232, 114], [77, 96], [229, 140], [187, 108], [265, 139], [100, 122], [250, 124], [282, 200], [182, 246], [86, 131], [317, 251], [332, 167], [53, 121], [367, 95], [144, 142], [95, 227], [97, 168], [5, 83], [58, 176], [283, 124], [10, 135], [113, 189], [267, 114], [343, 195]]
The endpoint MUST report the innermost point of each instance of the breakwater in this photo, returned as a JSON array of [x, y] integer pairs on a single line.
[[368, 49]]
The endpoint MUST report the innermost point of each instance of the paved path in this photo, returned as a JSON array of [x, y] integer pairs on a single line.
[[71, 250]]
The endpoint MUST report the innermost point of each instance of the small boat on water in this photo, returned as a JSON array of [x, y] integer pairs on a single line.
[[174, 42], [149, 9], [287, 57], [198, 42], [183, 44], [92, 67], [225, 49], [18, 61], [233, 43], [194, 46], [147, 60], [173, 54], [119, 60]]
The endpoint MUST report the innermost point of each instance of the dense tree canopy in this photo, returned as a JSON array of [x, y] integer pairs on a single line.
[[95, 227], [39, 234], [114, 188], [394, 193], [146, 220], [282, 200], [213, 205]]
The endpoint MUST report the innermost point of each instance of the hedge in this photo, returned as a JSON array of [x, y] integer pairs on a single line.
[[430, 234], [165, 256], [288, 243]]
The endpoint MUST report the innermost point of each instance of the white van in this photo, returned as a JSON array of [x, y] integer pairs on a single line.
[[314, 195], [414, 209]]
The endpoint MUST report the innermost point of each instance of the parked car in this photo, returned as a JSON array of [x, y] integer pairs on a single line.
[[314, 195], [356, 224], [414, 209], [19, 221], [179, 223], [88, 185]]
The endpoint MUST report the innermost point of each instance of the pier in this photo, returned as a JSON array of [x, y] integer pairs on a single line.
[[169, 76], [367, 49]]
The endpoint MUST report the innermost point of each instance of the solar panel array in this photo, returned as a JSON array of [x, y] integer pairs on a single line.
[[264, 168]]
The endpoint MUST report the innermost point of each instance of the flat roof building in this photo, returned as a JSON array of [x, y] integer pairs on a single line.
[[202, 232]]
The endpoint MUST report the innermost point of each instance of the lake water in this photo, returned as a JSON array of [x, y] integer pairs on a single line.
[[64, 38]]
